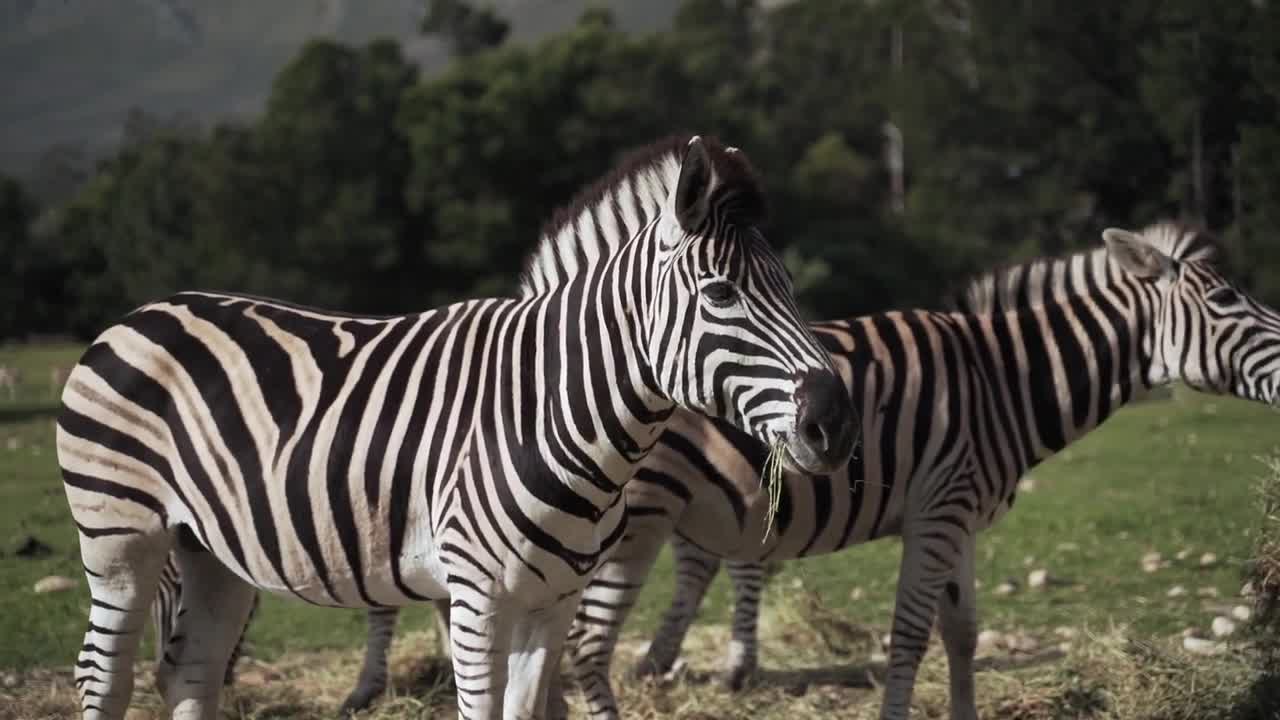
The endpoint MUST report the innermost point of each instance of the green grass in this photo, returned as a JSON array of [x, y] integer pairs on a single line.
[[1160, 476]]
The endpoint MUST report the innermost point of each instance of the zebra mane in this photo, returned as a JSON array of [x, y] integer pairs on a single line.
[[1031, 283], [638, 185]]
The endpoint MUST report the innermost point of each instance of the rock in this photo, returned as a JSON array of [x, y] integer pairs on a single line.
[[1028, 561], [878, 657], [1152, 562], [1068, 633], [1064, 647], [1027, 485], [1192, 632], [1008, 587], [989, 641], [1176, 591], [1241, 613], [1200, 646], [10, 680], [1223, 626], [14, 443], [1183, 554], [32, 547], [1208, 560], [54, 583], [885, 641], [1207, 592], [1022, 643], [1248, 590], [1038, 579], [857, 594]]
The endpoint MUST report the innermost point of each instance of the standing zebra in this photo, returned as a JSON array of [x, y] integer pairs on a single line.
[[955, 407], [476, 452]]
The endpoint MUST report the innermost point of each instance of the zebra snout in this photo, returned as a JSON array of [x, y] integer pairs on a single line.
[[825, 423]]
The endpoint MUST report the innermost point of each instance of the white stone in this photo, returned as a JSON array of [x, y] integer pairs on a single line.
[[1247, 590], [1027, 485], [886, 640], [14, 443], [1176, 591], [1208, 560], [10, 680], [857, 594], [989, 641], [1241, 613], [1200, 646], [1006, 588], [1038, 578], [1022, 643], [1192, 632], [54, 583], [1151, 562], [1223, 626], [1183, 554], [1066, 632], [878, 657]]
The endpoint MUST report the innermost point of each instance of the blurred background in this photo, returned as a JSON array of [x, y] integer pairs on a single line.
[[392, 155]]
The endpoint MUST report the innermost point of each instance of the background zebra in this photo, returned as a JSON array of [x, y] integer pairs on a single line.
[[955, 407], [376, 461]]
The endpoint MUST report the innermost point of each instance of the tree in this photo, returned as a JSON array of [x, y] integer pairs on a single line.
[[466, 28], [16, 213]]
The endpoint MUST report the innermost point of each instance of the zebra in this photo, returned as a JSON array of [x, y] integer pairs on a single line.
[[475, 453], [955, 407]]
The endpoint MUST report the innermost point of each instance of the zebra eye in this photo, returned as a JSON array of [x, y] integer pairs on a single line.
[[1222, 296], [720, 293]]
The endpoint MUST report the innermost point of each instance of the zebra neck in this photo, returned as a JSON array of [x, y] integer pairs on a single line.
[[598, 406], [1082, 358]]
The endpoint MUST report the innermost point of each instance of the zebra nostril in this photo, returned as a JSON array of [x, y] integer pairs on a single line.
[[814, 434]]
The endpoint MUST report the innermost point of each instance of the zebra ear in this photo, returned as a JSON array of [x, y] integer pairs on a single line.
[[1135, 255], [693, 191]]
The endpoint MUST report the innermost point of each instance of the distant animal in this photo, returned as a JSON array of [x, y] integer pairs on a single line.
[[9, 378], [57, 378]]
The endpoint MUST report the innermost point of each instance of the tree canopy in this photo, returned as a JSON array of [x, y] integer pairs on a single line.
[[904, 144]]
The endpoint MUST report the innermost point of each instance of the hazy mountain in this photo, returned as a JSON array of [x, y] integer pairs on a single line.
[[70, 70]]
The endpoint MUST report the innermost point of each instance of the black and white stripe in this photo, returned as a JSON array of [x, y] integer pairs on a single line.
[[955, 407], [476, 452]]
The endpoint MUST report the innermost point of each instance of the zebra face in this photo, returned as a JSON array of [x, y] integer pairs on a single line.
[[726, 337], [1208, 332]]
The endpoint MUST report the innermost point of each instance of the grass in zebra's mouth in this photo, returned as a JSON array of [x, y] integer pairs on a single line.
[[771, 480]]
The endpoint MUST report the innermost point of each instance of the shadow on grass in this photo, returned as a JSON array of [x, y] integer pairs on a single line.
[[12, 414], [866, 675]]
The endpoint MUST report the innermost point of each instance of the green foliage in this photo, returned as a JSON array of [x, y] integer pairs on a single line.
[[468, 29]]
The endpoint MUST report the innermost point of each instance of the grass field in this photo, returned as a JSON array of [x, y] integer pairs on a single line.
[[1163, 476]]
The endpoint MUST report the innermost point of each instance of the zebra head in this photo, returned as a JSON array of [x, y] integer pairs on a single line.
[[724, 334], [1206, 331]]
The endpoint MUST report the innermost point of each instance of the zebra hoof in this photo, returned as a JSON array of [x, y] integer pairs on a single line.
[[358, 700], [738, 679]]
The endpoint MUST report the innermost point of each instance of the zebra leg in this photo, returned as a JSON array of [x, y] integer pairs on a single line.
[[606, 602], [959, 620], [229, 677], [743, 659], [373, 674], [504, 659], [123, 569], [928, 560], [695, 569], [215, 608]]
